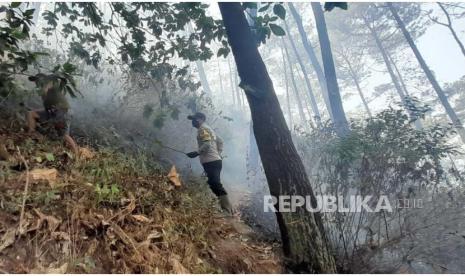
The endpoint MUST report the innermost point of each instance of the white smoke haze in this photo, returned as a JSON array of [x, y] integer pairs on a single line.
[[114, 112]]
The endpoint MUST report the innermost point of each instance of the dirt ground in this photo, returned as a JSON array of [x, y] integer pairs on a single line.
[[107, 213]]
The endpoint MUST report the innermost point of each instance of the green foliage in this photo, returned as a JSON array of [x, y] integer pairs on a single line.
[[384, 154], [14, 60], [329, 6], [107, 193], [277, 30], [279, 10], [264, 22], [163, 22], [148, 110], [14, 28], [174, 113], [146, 36], [159, 120], [87, 263], [456, 92], [61, 77], [47, 197], [106, 173], [50, 157]]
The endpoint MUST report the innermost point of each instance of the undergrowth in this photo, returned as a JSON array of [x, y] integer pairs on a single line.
[[105, 213]]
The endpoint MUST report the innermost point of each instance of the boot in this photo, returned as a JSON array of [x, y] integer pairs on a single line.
[[225, 204]]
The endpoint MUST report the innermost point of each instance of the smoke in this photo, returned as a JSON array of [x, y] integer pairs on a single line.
[[110, 113]]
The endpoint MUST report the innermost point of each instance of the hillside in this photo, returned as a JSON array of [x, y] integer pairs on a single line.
[[108, 212]]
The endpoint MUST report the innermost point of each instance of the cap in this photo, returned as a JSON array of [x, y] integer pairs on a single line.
[[197, 115]]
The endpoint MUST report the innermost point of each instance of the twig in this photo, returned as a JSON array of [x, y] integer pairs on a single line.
[[21, 217]]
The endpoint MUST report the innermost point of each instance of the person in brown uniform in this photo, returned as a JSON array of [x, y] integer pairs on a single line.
[[55, 116], [210, 147]]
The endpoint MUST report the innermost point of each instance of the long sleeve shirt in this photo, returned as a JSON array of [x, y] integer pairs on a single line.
[[210, 144]]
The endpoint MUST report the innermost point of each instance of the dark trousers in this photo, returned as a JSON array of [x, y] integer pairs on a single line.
[[213, 170]]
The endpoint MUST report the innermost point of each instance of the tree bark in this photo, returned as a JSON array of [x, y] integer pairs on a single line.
[[304, 242], [238, 92], [232, 83], [441, 95], [340, 121], [313, 59], [220, 77], [286, 83], [315, 109], [254, 158]]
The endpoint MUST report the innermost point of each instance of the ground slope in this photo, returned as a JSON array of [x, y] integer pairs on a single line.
[[107, 212]]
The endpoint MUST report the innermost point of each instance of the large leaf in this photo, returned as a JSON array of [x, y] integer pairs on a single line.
[[329, 6], [277, 30], [15, 4], [69, 68], [279, 10]]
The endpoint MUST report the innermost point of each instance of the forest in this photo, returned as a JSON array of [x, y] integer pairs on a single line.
[[155, 137]]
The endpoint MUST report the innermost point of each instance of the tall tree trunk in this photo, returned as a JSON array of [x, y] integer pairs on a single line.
[[354, 76], [253, 163], [35, 17], [441, 95], [220, 77], [304, 241], [451, 28], [238, 92], [418, 124], [311, 55], [303, 102], [315, 109], [394, 79], [231, 82], [401, 79], [399, 75], [306, 101], [335, 101], [201, 70], [286, 83], [296, 90], [203, 78]]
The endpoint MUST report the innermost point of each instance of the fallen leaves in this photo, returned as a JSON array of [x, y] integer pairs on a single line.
[[8, 238], [50, 270], [178, 268], [4, 155], [50, 157], [154, 235], [174, 177], [49, 175], [149, 228], [52, 222], [86, 153], [141, 218], [126, 211]]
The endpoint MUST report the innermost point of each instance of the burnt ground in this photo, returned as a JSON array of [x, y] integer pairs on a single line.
[[107, 212]]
